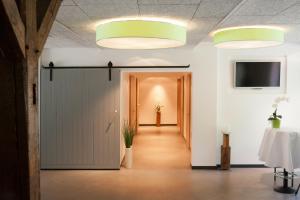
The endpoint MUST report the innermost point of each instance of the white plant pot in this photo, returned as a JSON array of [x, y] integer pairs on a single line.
[[128, 158]]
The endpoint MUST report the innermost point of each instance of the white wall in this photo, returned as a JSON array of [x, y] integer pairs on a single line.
[[246, 111], [203, 61], [154, 91], [214, 102], [204, 106]]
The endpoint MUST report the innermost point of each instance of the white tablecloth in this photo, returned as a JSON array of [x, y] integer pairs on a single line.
[[281, 148]]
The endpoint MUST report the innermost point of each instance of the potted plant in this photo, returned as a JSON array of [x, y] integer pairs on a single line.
[[128, 134], [275, 118], [158, 114]]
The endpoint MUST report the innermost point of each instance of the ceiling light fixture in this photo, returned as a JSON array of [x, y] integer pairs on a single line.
[[248, 37], [140, 34]]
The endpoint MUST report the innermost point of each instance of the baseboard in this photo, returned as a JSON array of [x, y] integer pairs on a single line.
[[232, 166], [248, 166], [204, 167], [155, 124], [72, 169]]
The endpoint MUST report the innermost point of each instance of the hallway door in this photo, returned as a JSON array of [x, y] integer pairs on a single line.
[[187, 96], [80, 122], [133, 101], [180, 113]]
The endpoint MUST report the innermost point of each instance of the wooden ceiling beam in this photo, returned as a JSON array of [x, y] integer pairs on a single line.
[[47, 23], [13, 14]]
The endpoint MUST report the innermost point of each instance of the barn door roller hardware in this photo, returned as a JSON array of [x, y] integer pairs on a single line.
[[110, 66]]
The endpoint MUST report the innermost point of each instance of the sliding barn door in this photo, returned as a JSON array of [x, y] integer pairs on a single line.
[[80, 126]]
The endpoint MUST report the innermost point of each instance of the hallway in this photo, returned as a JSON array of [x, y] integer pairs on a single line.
[[160, 148]]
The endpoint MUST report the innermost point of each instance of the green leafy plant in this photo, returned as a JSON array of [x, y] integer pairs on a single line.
[[158, 107], [128, 134], [274, 116]]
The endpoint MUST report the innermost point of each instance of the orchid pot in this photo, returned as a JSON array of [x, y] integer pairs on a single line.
[[275, 117], [276, 123]]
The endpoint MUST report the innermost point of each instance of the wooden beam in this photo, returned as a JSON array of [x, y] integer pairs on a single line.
[[47, 23], [13, 14], [20, 140], [31, 66]]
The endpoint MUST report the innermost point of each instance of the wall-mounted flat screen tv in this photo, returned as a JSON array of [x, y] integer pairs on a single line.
[[257, 74]]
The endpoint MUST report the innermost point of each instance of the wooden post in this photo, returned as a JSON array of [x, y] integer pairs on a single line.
[[20, 177], [225, 153], [226, 140], [31, 67]]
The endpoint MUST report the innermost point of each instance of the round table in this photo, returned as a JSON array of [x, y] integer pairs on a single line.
[[280, 148]]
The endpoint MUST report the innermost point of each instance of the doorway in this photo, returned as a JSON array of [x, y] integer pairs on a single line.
[[162, 141]]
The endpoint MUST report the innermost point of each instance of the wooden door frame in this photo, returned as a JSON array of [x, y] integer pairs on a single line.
[[179, 106], [137, 104], [181, 115], [181, 120], [136, 100], [189, 103], [186, 126]]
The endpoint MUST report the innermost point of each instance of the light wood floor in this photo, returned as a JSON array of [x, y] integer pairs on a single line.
[[160, 148], [161, 172]]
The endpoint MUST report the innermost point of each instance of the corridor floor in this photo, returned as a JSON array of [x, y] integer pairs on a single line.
[[160, 148], [161, 171]]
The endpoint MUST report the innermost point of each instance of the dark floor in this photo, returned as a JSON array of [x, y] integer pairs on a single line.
[[161, 172]]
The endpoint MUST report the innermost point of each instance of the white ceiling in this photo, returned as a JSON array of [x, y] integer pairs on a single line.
[[76, 19]]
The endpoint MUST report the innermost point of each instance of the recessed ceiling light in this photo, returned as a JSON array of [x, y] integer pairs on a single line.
[[248, 37], [140, 34]]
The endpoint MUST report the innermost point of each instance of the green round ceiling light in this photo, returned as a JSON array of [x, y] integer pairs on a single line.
[[248, 37], [140, 34]]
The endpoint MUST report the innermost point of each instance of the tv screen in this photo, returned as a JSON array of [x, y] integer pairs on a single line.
[[257, 74]]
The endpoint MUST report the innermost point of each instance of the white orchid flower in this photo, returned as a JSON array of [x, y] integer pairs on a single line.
[[284, 98], [277, 100], [275, 105], [226, 129]]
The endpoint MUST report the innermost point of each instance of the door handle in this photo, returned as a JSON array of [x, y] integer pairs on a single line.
[[108, 127], [112, 121]]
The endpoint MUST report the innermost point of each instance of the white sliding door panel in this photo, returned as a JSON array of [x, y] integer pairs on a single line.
[[80, 119]]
